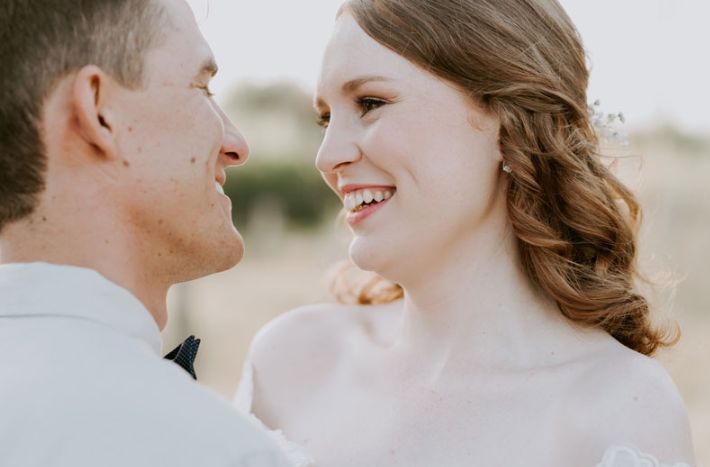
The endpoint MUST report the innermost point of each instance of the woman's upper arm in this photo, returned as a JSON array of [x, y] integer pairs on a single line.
[[639, 409], [287, 358]]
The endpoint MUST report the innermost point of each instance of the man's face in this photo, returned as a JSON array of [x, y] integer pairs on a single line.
[[176, 144]]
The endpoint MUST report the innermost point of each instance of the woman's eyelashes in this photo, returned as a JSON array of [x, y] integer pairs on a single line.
[[364, 105], [368, 104]]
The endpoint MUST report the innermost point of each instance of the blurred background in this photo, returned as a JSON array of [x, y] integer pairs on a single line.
[[643, 64]]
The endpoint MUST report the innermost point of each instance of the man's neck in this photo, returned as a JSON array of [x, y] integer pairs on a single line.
[[99, 246]]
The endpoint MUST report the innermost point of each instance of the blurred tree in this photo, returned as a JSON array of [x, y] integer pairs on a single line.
[[278, 121], [671, 137], [296, 190]]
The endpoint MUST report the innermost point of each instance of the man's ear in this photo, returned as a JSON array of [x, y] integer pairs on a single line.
[[94, 119]]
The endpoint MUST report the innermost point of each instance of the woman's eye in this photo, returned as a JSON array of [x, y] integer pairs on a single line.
[[368, 104], [365, 104]]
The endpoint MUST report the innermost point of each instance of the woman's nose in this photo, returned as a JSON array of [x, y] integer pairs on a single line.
[[337, 150]]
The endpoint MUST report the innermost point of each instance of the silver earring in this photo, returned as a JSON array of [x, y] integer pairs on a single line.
[[506, 168]]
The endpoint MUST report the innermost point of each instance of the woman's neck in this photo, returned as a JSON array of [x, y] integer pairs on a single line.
[[479, 308]]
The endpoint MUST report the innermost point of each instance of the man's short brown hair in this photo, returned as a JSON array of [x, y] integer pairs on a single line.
[[41, 42]]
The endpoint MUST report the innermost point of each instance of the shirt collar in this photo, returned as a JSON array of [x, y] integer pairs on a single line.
[[41, 289]]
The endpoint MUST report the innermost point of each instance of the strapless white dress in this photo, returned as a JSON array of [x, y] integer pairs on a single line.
[[623, 456], [615, 456], [243, 402]]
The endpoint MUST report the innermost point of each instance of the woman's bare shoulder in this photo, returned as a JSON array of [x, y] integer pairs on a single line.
[[626, 398], [312, 329], [297, 352]]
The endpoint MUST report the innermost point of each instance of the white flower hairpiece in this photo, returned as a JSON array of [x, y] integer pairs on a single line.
[[608, 125]]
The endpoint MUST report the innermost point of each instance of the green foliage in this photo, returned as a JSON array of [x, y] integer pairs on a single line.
[[284, 97], [278, 122], [678, 141], [296, 189]]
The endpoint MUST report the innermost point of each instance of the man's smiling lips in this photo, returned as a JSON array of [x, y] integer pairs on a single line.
[[219, 187]]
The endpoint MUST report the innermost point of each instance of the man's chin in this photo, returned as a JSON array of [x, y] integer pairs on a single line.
[[218, 256], [234, 258], [231, 253]]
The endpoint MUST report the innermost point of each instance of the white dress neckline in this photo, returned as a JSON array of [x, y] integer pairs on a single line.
[[615, 456], [243, 402]]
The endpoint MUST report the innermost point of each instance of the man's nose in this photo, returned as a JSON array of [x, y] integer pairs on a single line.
[[338, 150], [235, 150]]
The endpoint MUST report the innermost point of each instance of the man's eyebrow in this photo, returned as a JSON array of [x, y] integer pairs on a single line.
[[208, 67], [319, 103], [354, 84]]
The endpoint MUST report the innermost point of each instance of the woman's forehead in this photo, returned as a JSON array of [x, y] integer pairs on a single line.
[[352, 55]]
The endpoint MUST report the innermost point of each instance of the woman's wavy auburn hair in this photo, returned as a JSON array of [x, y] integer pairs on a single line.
[[575, 222]]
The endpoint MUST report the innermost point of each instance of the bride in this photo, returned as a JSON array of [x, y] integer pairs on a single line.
[[503, 328]]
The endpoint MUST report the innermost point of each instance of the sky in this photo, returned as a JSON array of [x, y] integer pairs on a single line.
[[648, 57]]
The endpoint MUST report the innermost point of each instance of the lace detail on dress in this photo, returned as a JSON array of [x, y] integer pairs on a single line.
[[243, 402], [623, 456]]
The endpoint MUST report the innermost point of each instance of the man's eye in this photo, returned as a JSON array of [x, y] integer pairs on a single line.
[[207, 91], [324, 120], [368, 104]]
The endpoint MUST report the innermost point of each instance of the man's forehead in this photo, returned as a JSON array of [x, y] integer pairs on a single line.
[[178, 10], [180, 22], [183, 44]]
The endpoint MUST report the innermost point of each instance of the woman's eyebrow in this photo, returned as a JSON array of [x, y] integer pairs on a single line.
[[354, 84]]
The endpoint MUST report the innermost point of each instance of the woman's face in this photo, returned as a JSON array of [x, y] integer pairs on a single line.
[[416, 148]]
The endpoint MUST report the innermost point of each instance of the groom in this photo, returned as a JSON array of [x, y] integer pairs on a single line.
[[112, 161]]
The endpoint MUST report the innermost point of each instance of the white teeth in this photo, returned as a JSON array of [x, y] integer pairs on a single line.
[[349, 203], [220, 188], [353, 200], [367, 196]]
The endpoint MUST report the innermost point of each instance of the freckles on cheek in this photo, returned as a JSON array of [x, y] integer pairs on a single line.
[[207, 130], [393, 148]]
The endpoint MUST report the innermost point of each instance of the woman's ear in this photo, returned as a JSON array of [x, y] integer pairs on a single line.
[[90, 106]]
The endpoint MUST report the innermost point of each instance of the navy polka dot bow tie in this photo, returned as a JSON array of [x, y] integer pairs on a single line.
[[184, 355]]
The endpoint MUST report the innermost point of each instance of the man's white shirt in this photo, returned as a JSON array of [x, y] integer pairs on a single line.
[[82, 383]]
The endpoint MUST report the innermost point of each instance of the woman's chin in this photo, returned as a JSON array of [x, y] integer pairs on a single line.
[[369, 257]]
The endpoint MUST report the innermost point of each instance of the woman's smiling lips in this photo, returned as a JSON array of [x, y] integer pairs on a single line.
[[361, 201]]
